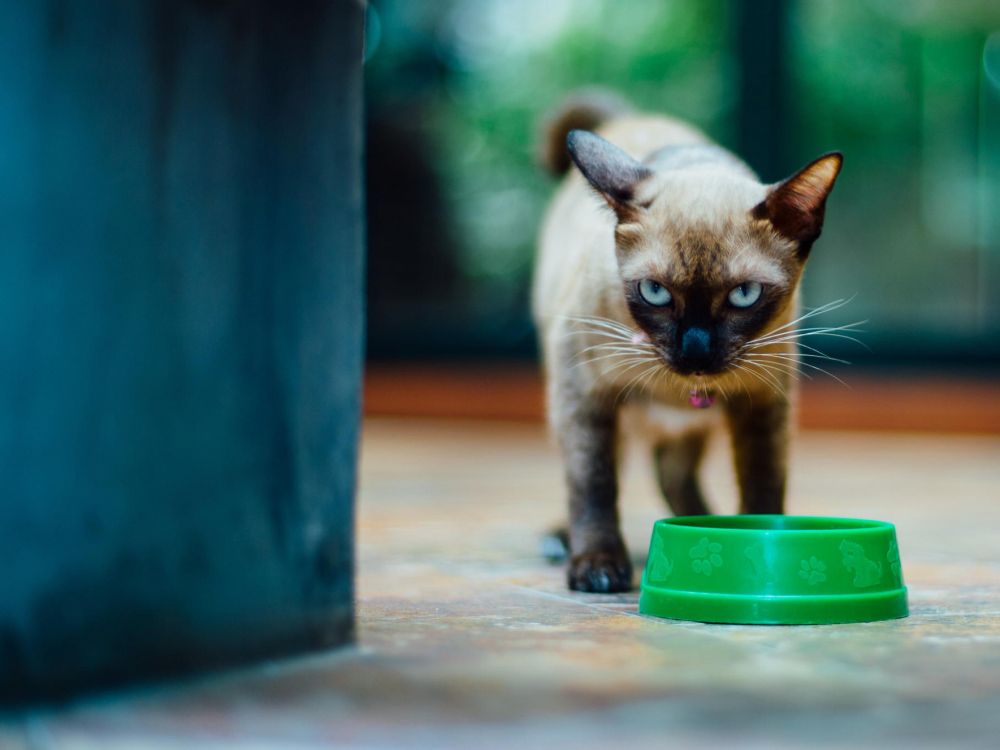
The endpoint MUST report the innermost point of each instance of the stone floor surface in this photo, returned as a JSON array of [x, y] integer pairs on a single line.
[[467, 639]]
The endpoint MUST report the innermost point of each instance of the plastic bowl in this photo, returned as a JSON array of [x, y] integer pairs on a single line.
[[773, 570]]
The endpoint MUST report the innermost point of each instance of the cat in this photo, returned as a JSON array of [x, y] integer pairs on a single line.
[[666, 296]]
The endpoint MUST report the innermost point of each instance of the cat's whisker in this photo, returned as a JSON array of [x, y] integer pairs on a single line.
[[643, 381], [789, 334], [608, 323], [811, 331], [665, 376], [828, 307], [591, 319], [767, 374], [633, 362], [605, 333], [794, 342], [790, 328], [808, 348], [612, 338], [739, 381], [625, 338], [792, 335], [643, 378], [747, 367], [615, 355], [796, 337], [814, 367], [746, 390], [775, 374], [757, 377], [617, 341], [626, 390], [650, 377], [616, 346], [612, 355], [725, 394], [608, 346], [825, 372], [598, 357], [795, 356], [682, 388], [674, 380], [788, 367]]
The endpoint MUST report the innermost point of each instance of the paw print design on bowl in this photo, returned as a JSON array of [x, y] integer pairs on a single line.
[[893, 557], [754, 554], [866, 572], [706, 556], [812, 571], [662, 566]]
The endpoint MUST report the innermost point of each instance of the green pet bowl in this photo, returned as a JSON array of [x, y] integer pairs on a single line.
[[773, 570]]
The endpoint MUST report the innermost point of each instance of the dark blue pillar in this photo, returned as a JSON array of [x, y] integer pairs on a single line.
[[180, 334]]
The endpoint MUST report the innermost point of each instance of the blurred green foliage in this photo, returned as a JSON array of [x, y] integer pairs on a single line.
[[899, 87], [498, 66]]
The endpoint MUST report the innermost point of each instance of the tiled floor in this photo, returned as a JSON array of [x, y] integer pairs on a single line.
[[468, 640]]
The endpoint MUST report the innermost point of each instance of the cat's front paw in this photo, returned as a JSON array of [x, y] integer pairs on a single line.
[[600, 572]]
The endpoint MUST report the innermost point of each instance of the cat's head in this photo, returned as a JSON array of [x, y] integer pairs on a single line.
[[709, 257]]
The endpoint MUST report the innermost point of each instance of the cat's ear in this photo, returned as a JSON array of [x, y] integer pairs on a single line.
[[796, 206], [611, 172]]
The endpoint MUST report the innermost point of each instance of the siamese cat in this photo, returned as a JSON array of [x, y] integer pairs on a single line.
[[666, 299]]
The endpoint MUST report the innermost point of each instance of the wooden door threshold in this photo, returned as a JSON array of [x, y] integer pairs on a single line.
[[921, 403]]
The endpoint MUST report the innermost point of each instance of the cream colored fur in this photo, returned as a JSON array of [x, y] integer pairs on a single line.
[[580, 275]]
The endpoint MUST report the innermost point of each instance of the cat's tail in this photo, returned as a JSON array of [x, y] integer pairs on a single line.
[[584, 109]]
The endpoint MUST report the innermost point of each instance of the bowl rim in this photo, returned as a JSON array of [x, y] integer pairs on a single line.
[[780, 525]]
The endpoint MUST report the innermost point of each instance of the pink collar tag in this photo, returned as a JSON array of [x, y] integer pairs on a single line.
[[700, 399]]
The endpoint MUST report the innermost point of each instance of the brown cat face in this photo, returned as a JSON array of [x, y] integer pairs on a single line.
[[701, 290], [709, 258]]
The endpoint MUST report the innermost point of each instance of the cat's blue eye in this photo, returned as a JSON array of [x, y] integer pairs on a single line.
[[746, 294], [654, 293]]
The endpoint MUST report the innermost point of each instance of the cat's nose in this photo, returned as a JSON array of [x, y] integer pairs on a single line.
[[696, 349], [696, 344]]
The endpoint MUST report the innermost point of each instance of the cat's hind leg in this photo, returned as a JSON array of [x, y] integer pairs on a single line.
[[677, 460]]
